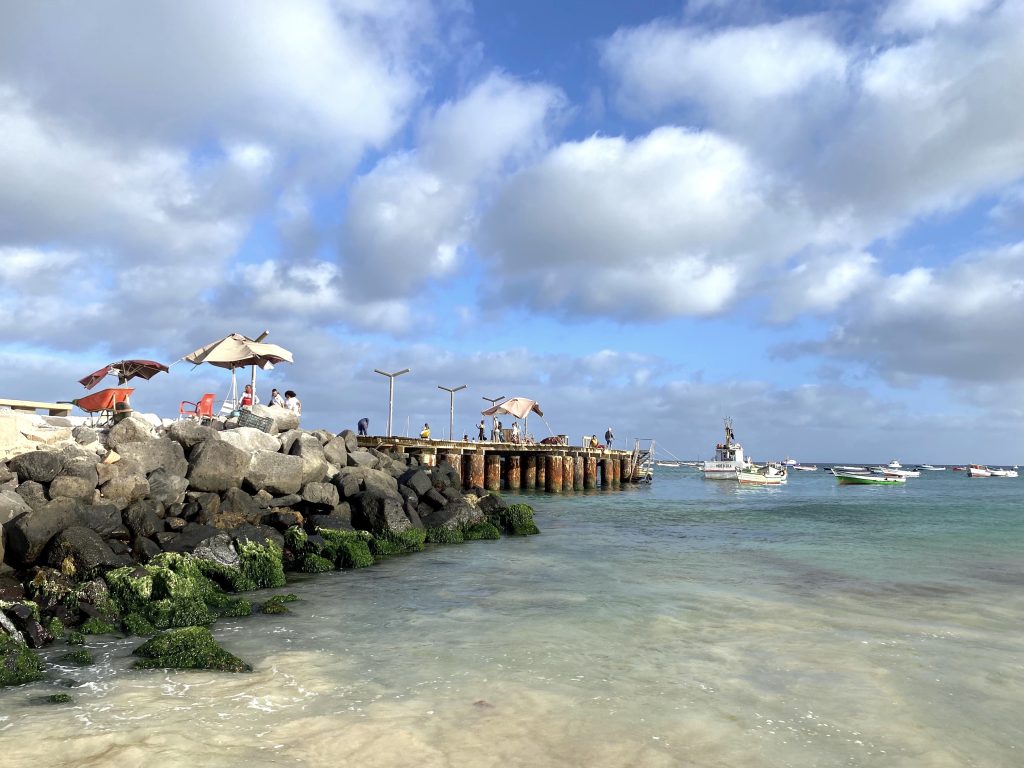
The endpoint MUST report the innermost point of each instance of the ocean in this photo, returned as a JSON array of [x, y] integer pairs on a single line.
[[689, 623]]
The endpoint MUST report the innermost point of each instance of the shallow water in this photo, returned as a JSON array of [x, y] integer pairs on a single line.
[[690, 623]]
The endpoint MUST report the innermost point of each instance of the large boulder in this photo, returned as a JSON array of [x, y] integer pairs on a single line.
[[416, 479], [191, 536], [104, 519], [11, 506], [190, 433], [320, 495], [378, 513], [274, 472], [455, 515], [28, 535], [123, 482], [216, 466], [166, 487], [351, 440], [364, 459], [84, 550], [336, 452], [162, 453], [33, 493], [219, 548], [40, 466], [283, 418], [72, 487], [237, 508], [84, 435], [353, 480], [249, 439], [132, 429], [314, 465], [144, 518]]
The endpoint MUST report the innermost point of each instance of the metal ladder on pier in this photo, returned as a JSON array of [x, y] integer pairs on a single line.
[[641, 463]]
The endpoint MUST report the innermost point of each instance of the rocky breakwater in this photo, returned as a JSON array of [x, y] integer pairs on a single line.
[[155, 531]]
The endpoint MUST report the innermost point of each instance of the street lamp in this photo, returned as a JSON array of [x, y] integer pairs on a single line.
[[494, 419], [451, 408], [391, 391]]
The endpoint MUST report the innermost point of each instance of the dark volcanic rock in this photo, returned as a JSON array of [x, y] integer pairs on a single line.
[[331, 522], [191, 536], [144, 518], [25, 622], [162, 453], [166, 487], [457, 514], [320, 495], [104, 519], [351, 440], [336, 453], [378, 513], [86, 550], [417, 480], [85, 435], [33, 493], [237, 508], [314, 465], [434, 498], [28, 535], [41, 466], [71, 487]]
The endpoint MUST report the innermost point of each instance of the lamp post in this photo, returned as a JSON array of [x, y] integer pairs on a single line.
[[494, 419], [451, 406], [391, 391]]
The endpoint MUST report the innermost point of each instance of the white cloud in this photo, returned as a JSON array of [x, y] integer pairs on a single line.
[[924, 15], [822, 284], [670, 223], [660, 65]]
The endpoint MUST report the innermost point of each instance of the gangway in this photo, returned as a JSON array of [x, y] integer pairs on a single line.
[[641, 462]]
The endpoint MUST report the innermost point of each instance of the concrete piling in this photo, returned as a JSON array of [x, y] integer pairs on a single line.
[[493, 472]]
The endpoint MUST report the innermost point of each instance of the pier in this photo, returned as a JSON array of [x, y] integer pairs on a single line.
[[498, 466]]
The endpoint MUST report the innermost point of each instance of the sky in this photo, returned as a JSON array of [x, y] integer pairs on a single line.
[[808, 217]]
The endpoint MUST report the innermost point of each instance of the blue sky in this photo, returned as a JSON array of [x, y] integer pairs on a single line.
[[806, 216]]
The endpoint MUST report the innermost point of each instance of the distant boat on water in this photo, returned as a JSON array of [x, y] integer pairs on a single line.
[[729, 458], [855, 478], [769, 474], [930, 468]]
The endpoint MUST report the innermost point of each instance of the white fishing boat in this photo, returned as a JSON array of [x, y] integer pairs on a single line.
[[729, 458], [846, 468], [769, 474], [668, 463], [893, 472], [795, 465], [930, 468], [1002, 472], [857, 478], [976, 470]]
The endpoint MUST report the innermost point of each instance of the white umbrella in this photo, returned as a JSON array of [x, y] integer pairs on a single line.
[[237, 351], [520, 407]]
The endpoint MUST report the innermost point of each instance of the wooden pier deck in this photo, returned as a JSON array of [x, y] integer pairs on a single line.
[[513, 466]]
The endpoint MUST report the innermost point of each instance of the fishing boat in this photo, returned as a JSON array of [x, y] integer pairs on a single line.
[[795, 465], [729, 458], [845, 468], [668, 464], [856, 478], [768, 474], [976, 470], [930, 468], [1003, 472], [891, 471]]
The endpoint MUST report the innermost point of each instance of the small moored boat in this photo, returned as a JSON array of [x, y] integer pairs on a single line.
[[856, 478], [977, 470], [769, 474]]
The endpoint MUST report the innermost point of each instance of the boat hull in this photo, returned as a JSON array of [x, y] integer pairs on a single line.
[[756, 478], [846, 478]]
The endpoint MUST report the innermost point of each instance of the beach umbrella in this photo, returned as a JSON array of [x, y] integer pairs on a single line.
[[124, 370], [520, 407], [236, 351]]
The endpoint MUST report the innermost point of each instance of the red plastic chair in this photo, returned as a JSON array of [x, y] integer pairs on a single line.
[[201, 410]]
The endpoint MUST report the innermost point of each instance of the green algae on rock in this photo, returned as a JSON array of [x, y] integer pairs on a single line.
[[398, 543], [187, 648], [80, 657], [516, 519], [97, 626], [351, 548], [18, 663], [443, 535], [276, 604], [482, 531]]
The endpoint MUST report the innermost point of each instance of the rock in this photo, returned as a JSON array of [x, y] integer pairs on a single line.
[[416, 479], [191, 536], [216, 466], [132, 429], [366, 480], [274, 472], [283, 418], [76, 465], [166, 487], [144, 518], [83, 549], [249, 439], [284, 519], [452, 494], [164, 539], [219, 548], [187, 648], [18, 664], [338, 520], [285, 501], [33, 493], [28, 535], [123, 489], [70, 487], [144, 549], [434, 498], [190, 433], [175, 524], [314, 465], [379, 514], [162, 453], [237, 508], [363, 459], [336, 452], [320, 494], [260, 535], [23, 617], [456, 514], [84, 435], [104, 519], [351, 440], [40, 466], [288, 439], [11, 506]]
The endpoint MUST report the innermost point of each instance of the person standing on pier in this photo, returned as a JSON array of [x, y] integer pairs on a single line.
[[364, 426], [482, 436], [515, 431], [609, 437], [425, 432]]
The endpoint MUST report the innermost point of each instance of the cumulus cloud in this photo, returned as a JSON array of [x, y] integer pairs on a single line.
[[408, 218], [960, 323], [924, 15], [821, 285], [662, 225]]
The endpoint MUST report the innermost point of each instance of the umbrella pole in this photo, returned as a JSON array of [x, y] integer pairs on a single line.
[[254, 385]]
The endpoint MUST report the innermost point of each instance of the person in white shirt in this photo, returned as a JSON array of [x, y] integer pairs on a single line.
[[292, 402], [276, 399]]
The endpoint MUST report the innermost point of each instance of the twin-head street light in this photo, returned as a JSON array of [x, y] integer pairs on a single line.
[[391, 391], [451, 407], [494, 418]]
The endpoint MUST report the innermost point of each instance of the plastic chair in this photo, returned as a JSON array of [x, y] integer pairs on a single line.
[[201, 410]]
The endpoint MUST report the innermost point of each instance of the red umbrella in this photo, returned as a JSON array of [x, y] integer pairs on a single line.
[[124, 370]]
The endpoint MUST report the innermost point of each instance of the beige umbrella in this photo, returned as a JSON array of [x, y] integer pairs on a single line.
[[237, 351], [520, 407]]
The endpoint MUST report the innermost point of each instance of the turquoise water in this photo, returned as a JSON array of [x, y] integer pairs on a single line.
[[690, 623]]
